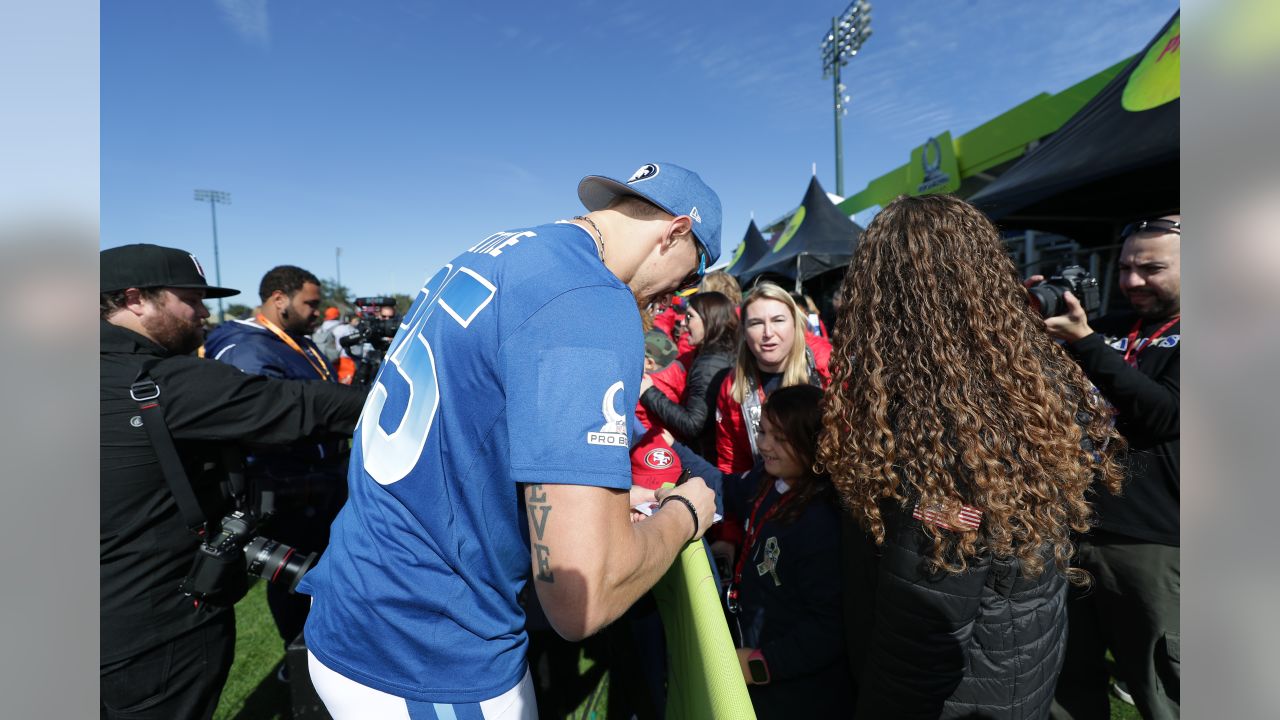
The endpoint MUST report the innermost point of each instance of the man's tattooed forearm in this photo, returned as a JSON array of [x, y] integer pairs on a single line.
[[539, 511]]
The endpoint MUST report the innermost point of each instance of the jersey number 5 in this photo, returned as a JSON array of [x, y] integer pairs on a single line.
[[402, 405]]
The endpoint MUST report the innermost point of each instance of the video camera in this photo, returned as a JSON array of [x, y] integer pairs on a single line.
[[1048, 295], [375, 328], [372, 337]]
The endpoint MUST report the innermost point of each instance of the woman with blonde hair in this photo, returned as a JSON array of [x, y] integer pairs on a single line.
[[772, 353], [723, 283], [962, 440]]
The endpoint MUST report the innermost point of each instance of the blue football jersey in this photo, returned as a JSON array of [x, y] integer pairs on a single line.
[[519, 362]]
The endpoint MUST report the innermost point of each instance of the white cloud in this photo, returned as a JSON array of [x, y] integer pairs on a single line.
[[248, 18]]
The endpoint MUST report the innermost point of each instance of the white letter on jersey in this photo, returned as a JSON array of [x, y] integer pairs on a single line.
[[494, 244], [392, 438]]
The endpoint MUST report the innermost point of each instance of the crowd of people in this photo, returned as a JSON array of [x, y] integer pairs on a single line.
[[939, 505]]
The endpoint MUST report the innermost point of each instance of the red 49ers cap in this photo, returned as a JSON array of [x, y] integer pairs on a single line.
[[653, 462]]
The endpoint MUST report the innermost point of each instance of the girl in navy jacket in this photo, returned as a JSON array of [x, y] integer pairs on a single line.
[[784, 598]]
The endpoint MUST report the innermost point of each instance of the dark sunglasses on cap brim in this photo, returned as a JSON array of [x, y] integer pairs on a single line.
[[1158, 225]]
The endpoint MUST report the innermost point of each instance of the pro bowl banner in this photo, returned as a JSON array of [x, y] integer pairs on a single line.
[[704, 679]]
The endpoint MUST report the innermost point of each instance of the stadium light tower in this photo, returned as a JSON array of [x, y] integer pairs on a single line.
[[848, 32], [215, 198]]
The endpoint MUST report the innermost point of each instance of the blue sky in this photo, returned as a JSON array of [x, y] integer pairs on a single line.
[[403, 132]]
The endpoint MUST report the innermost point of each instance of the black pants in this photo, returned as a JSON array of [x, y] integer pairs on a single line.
[[1131, 609], [180, 679], [302, 521]]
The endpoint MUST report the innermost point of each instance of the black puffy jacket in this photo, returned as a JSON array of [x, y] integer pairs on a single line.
[[987, 643], [693, 421]]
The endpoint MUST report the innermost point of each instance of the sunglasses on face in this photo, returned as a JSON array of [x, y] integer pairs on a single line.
[[1160, 225], [694, 278]]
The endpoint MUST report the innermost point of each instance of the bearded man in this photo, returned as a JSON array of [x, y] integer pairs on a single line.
[[164, 655], [1132, 608]]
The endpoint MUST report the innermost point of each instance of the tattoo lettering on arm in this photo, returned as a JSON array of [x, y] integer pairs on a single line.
[[539, 511]]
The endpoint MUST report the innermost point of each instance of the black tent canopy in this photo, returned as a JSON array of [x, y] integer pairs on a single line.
[[817, 238], [1115, 160], [750, 250]]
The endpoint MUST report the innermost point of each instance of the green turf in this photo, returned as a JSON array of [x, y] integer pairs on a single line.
[[253, 693], [1123, 711]]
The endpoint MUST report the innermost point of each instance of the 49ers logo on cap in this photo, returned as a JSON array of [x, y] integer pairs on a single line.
[[644, 173], [659, 458]]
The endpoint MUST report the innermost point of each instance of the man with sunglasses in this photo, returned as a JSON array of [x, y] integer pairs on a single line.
[[494, 453], [1133, 553]]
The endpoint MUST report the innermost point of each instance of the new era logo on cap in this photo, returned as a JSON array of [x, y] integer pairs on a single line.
[[694, 214], [197, 264]]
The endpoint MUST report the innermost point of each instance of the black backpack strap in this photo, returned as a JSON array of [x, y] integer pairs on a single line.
[[236, 484], [146, 393]]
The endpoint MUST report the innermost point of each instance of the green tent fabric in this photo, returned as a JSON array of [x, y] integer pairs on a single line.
[[1114, 161], [750, 250], [817, 238], [704, 679]]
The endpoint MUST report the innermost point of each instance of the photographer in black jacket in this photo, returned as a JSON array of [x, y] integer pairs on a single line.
[[161, 656], [1133, 554]]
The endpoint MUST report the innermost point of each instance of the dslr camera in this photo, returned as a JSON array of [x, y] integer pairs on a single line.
[[1048, 295], [225, 562]]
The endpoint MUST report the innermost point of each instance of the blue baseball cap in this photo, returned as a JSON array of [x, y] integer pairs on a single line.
[[670, 187]]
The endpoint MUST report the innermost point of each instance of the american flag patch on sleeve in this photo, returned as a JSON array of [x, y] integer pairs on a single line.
[[970, 517]]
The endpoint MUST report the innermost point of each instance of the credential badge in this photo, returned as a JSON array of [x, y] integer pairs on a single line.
[[770, 563]]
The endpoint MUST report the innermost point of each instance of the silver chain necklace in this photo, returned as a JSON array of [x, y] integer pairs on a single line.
[[599, 235]]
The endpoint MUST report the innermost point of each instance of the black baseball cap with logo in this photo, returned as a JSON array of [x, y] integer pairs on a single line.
[[154, 266]]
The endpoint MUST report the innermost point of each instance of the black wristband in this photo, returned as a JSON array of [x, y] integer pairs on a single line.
[[692, 511]]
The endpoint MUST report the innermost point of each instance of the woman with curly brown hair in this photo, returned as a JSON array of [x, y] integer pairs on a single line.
[[963, 440]]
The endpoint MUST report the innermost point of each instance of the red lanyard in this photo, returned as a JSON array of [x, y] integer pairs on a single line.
[[1131, 350], [317, 362], [749, 542]]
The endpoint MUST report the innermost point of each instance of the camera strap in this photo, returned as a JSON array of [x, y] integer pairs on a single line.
[[146, 393], [233, 463]]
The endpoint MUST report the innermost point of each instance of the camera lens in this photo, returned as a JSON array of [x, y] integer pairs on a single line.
[[1048, 299], [276, 562]]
